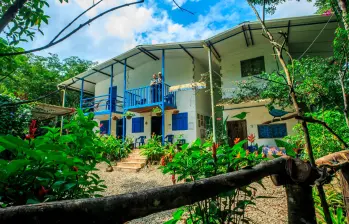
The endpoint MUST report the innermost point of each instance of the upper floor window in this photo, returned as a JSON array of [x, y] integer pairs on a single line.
[[254, 66]]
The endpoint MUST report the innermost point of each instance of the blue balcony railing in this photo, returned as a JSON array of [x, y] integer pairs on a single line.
[[149, 96], [100, 104]]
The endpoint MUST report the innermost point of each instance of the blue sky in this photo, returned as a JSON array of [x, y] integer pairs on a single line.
[[155, 21]]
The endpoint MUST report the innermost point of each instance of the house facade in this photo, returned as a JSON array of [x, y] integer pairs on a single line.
[[122, 83]]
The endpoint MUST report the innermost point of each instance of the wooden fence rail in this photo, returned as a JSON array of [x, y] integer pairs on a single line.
[[125, 207]]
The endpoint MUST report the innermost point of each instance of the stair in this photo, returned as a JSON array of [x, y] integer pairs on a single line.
[[133, 163]]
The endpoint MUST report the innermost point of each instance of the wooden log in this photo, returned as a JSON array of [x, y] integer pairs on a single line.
[[300, 204], [125, 207]]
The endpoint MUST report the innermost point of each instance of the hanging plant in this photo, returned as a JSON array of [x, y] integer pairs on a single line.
[[129, 115], [115, 118], [175, 112], [157, 111]]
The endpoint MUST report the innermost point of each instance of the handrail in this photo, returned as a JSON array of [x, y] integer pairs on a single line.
[[144, 87], [95, 97]]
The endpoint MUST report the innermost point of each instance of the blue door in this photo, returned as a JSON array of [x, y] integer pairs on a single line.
[[113, 95]]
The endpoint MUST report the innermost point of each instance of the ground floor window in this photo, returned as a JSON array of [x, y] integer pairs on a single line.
[[104, 127], [137, 124], [272, 130], [180, 122]]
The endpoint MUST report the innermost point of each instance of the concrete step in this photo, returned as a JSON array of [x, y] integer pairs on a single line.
[[139, 160], [128, 169], [131, 164], [137, 157]]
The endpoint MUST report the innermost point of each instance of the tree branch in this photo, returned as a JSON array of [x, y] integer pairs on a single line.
[[181, 8], [282, 119], [312, 120], [11, 13], [72, 32], [94, 5]]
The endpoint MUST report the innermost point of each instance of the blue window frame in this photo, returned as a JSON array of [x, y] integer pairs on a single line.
[[180, 122], [272, 130], [137, 124], [104, 127]]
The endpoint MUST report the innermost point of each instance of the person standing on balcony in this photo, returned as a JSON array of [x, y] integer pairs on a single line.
[[153, 88], [159, 86]]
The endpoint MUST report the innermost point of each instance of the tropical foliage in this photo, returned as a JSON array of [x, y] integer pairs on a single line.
[[201, 160], [52, 167]]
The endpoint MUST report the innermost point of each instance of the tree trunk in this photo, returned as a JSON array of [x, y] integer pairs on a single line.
[[345, 99], [10, 14], [300, 204], [343, 6], [344, 180]]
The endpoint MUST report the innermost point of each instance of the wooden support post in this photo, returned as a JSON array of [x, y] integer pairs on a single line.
[[300, 204], [344, 179]]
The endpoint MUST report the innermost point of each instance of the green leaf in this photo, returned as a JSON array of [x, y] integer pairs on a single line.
[[241, 115], [178, 214], [289, 147], [58, 184], [32, 201], [66, 139], [69, 186]]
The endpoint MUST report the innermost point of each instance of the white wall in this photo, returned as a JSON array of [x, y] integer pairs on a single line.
[[177, 71], [231, 68]]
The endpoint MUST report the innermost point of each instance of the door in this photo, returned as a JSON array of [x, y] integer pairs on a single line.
[[119, 127], [237, 129], [113, 97], [156, 125]]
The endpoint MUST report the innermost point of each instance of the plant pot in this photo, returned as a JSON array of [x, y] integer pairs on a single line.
[[128, 117], [175, 112], [158, 114]]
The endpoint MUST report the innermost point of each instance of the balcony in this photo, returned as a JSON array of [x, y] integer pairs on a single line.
[[144, 99], [100, 105]]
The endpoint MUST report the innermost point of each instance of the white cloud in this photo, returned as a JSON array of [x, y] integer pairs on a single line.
[[294, 9]]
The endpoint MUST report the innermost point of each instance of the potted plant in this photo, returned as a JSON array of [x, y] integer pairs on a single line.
[[129, 115], [157, 111], [175, 112], [115, 118]]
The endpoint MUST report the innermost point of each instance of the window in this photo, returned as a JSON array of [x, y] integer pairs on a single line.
[[272, 131], [104, 127], [137, 124], [179, 121], [254, 66]]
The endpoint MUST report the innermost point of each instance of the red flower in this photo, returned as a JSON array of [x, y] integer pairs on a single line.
[[32, 130], [214, 151], [236, 140], [42, 191], [327, 13], [162, 161], [173, 179], [251, 138], [100, 125]]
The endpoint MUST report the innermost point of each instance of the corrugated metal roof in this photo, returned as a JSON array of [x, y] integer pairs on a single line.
[[97, 76]]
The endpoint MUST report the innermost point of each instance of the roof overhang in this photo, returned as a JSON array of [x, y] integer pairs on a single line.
[[228, 42], [42, 111]]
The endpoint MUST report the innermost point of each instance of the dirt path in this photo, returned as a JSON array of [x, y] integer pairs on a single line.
[[267, 211]]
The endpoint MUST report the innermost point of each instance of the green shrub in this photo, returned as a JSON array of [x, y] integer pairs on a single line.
[[52, 167], [153, 149], [198, 161], [14, 120], [115, 148], [323, 142]]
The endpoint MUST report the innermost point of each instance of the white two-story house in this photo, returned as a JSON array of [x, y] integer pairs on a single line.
[[122, 83]]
